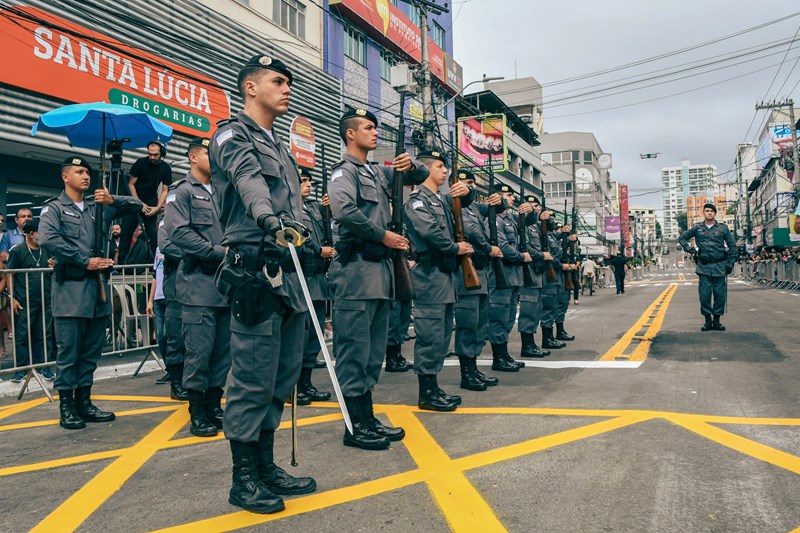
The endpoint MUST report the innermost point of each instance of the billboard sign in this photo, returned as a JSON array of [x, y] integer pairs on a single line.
[[481, 138], [624, 215], [612, 228], [301, 142]]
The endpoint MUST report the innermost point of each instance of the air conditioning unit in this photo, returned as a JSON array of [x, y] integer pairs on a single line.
[[403, 78]]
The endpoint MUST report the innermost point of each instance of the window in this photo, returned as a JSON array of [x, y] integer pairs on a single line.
[[437, 35], [388, 60], [393, 2], [559, 158], [558, 189], [291, 15], [355, 46], [416, 17], [588, 157]]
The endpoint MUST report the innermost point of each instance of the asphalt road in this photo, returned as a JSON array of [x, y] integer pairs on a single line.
[[643, 424]]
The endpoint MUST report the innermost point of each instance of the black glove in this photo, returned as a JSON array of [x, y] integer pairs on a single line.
[[280, 227], [728, 268]]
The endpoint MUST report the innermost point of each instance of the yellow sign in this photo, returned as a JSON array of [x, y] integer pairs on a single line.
[[416, 111]]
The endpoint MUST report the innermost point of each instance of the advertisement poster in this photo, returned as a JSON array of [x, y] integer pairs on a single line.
[[623, 212], [301, 142], [480, 139], [612, 228]]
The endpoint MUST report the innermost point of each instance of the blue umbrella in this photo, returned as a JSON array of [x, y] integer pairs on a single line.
[[91, 125]]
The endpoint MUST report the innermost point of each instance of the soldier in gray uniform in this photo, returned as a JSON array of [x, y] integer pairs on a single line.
[[564, 295], [361, 274], [173, 336], [472, 307], [399, 320], [429, 223], [314, 260], [530, 298], [503, 302], [191, 213], [256, 183], [551, 287], [67, 233], [716, 255]]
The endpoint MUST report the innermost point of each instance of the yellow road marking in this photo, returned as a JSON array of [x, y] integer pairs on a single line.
[[80, 506], [643, 348], [20, 407], [67, 461], [462, 504], [618, 349]]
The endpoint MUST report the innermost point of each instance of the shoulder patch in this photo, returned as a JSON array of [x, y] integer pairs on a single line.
[[416, 204], [44, 210], [336, 174], [224, 136], [170, 198]]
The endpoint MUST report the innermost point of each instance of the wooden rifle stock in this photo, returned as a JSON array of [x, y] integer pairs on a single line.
[[99, 239], [327, 231], [551, 272], [528, 279], [471, 279], [403, 286], [576, 276], [500, 279], [568, 285]]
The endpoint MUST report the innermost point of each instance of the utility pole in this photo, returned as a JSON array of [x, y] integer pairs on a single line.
[[793, 128], [428, 116]]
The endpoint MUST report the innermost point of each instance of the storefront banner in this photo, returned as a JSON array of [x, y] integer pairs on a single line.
[[624, 215], [481, 138], [612, 228], [50, 55], [301, 142]]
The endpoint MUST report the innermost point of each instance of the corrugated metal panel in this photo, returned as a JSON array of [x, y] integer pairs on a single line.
[[190, 34]]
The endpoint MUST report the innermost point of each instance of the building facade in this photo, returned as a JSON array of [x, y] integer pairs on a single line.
[[678, 184], [644, 238]]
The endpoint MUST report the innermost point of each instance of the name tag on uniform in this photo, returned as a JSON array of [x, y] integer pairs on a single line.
[[434, 204], [71, 214], [200, 197], [260, 140]]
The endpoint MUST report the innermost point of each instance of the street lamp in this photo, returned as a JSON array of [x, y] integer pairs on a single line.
[[485, 79]]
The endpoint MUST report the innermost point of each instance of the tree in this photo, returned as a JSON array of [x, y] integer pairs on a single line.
[[659, 233], [683, 221]]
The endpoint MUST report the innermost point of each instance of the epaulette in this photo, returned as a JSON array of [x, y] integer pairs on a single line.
[[224, 121], [339, 163], [54, 198], [174, 184], [415, 192]]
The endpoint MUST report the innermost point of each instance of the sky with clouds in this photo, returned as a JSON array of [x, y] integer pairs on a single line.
[[700, 117]]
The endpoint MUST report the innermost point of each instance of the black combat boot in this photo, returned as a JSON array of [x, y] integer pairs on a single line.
[[501, 361], [213, 400], [469, 378], [247, 491], [708, 325], [362, 436], [274, 477], [715, 324], [176, 390], [561, 333], [454, 398], [69, 416], [548, 341], [305, 387], [87, 410], [392, 433], [199, 424], [529, 348], [395, 362], [490, 381], [430, 398]]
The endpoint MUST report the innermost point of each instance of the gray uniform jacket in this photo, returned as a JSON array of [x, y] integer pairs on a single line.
[[192, 215], [67, 233], [508, 241], [555, 250], [476, 232], [360, 201], [254, 176], [172, 254], [711, 242], [317, 282], [533, 245]]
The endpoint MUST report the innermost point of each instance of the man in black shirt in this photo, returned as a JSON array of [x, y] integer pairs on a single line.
[[148, 174], [618, 263], [31, 303]]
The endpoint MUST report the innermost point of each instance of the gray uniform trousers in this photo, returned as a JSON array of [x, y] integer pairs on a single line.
[[433, 324], [502, 313], [207, 336], [549, 295], [530, 309], [80, 345], [472, 317], [360, 329], [173, 333], [562, 303], [311, 346], [399, 320], [716, 286], [265, 365]]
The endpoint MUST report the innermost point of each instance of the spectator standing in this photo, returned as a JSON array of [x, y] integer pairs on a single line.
[[157, 304], [618, 263], [588, 269], [15, 236]]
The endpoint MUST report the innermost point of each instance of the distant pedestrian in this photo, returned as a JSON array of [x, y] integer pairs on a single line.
[[618, 263]]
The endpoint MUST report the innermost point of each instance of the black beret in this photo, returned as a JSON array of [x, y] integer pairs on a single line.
[[30, 225], [76, 161], [559, 225], [304, 172], [433, 154], [504, 188], [466, 175], [531, 199], [710, 206], [268, 63], [198, 141], [359, 113]]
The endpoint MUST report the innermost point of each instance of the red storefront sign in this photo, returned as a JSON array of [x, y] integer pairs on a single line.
[[395, 29], [50, 55], [623, 213]]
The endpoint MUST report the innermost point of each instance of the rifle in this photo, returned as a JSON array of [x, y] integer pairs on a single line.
[[568, 285], [327, 232], [576, 278], [528, 279], [551, 272], [98, 247], [471, 279], [403, 286], [500, 279]]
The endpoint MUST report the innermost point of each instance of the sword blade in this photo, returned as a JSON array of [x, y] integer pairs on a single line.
[[337, 389]]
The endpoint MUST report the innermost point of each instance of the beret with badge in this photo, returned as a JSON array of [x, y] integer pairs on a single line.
[[466, 175], [265, 62], [304, 172], [199, 142], [433, 154], [76, 161], [710, 206], [359, 113]]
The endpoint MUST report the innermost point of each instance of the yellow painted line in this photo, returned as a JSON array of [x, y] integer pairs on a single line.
[[67, 461], [549, 441], [463, 506], [740, 444], [625, 341], [54, 422], [80, 506], [20, 407], [156, 399], [643, 348]]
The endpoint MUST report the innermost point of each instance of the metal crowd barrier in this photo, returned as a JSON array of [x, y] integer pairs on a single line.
[[774, 274], [31, 329]]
